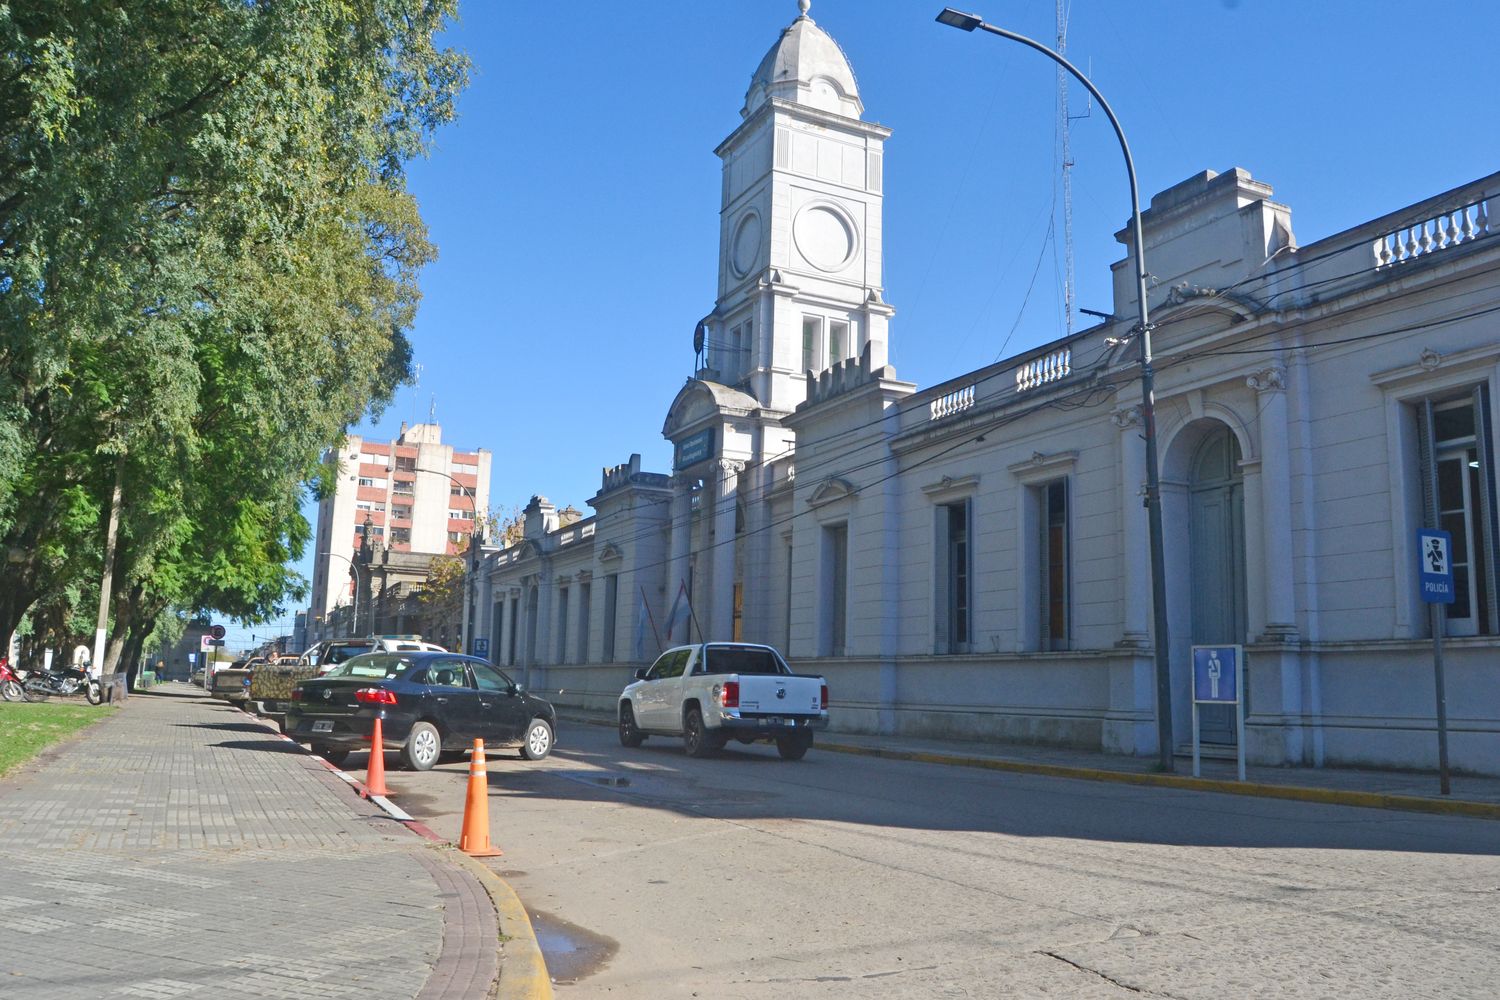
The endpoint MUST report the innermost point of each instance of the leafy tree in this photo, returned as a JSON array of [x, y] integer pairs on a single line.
[[208, 265]]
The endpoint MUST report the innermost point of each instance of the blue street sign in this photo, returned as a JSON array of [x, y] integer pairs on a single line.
[[1435, 566], [481, 647], [1216, 674]]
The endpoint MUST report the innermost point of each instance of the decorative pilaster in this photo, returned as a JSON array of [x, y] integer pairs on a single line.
[[1276, 504], [726, 497], [1135, 551], [682, 534]]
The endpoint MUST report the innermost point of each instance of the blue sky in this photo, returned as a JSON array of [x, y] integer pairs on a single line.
[[575, 201]]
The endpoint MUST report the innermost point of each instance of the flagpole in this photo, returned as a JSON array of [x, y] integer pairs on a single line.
[[650, 617], [694, 616]]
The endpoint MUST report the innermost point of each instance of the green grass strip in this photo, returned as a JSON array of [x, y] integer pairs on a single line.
[[26, 729]]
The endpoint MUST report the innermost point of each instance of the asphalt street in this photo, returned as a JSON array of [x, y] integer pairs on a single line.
[[652, 875]]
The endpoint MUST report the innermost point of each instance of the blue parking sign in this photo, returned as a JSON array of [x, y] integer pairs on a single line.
[[481, 647], [1435, 566], [1216, 674]]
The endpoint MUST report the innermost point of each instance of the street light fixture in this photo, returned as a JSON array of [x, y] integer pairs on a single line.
[[463, 631], [354, 568], [968, 22]]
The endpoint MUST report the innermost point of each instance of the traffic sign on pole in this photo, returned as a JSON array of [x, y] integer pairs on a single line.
[[217, 631], [1435, 585], [1218, 679], [1435, 575]]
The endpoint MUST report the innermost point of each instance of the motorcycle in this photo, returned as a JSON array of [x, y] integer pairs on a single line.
[[39, 685], [10, 683]]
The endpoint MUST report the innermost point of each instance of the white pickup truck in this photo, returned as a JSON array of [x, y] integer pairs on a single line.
[[717, 691]]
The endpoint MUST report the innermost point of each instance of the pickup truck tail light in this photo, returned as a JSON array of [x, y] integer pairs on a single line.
[[297, 693], [823, 698], [729, 695], [375, 696]]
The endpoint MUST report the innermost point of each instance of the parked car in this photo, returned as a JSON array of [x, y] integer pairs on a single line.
[[271, 688], [429, 703], [713, 692], [232, 683]]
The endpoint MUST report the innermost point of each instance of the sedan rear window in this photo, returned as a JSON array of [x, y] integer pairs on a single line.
[[741, 660], [374, 666]]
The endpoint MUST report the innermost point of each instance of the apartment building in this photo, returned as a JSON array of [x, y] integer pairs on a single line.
[[414, 496]]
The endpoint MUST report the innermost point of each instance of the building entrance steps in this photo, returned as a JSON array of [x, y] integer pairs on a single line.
[[180, 848], [1416, 791]]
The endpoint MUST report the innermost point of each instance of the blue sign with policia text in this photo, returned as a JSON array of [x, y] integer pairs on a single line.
[[1435, 576]]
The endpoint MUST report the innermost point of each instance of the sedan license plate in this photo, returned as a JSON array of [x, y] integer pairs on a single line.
[[323, 726]]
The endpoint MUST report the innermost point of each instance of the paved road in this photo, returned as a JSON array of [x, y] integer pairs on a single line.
[[852, 877]]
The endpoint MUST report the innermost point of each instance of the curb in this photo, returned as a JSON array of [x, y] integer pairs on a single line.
[[523, 974], [529, 979], [1296, 793]]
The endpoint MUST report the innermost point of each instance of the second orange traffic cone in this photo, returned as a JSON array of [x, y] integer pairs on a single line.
[[375, 778], [475, 838]]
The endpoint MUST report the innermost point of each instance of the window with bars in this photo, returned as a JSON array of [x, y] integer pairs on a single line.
[[955, 626], [835, 590], [1052, 563], [611, 602]]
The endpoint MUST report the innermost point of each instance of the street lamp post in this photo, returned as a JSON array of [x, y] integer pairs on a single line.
[[354, 568], [473, 567], [968, 22]]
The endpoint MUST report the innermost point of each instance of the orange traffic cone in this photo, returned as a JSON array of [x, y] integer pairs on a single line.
[[375, 779], [475, 838]]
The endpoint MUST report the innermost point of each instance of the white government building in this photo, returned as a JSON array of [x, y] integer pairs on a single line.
[[971, 559]]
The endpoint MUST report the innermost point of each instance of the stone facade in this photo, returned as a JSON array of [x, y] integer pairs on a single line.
[[971, 559]]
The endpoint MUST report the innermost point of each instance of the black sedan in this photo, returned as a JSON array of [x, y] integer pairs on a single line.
[[428, 704]]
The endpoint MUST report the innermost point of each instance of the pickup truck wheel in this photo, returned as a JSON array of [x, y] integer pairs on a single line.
[[694, 738], [423, 745], [630, 736], [794, 746]]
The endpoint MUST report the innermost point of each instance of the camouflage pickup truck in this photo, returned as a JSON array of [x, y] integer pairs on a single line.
[[271, 685], [232, 683]]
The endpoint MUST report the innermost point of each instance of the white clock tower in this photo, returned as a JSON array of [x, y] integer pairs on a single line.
[[800, 226]]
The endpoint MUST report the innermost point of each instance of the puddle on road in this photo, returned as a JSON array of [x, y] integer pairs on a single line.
[[571, 952]]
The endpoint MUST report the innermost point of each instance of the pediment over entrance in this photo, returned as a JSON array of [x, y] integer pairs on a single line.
[[700, 402]]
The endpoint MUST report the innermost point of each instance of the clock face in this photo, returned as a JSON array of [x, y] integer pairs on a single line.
[[825, 236], [744, 249]]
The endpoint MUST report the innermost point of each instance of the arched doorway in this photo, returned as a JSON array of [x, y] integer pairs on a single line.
[[1216, 541]]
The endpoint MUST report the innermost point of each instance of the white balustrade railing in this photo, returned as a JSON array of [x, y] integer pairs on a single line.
[[1047, 368], [952, 402], [1449, 229]]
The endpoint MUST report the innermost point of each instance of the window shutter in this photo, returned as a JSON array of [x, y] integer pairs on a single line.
[[1484, 446], [1043, 566]]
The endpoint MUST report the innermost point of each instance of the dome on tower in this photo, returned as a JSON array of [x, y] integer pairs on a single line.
[[805, 66]]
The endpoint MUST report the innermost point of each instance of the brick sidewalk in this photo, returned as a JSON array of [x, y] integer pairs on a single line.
[[179, 849]]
